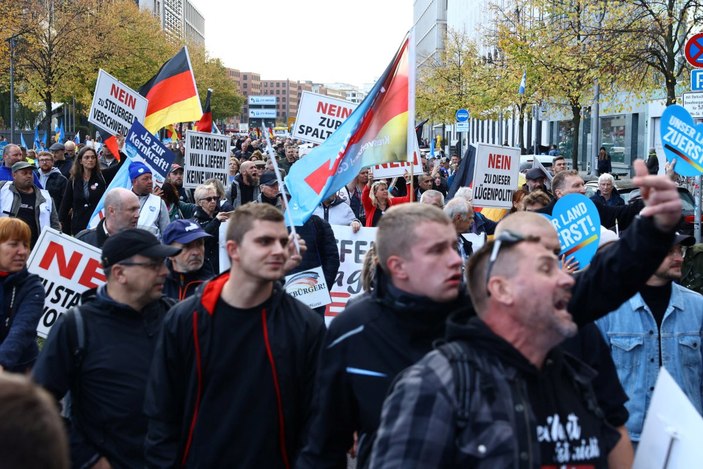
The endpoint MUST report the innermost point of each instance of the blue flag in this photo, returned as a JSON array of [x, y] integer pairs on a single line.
[[43, 141], [22, 142], [521, 90], [37, 143]]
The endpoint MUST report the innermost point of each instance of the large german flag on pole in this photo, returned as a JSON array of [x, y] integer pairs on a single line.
[[172, 94]]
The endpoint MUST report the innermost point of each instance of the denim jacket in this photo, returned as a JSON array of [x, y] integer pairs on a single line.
[[634, 340]]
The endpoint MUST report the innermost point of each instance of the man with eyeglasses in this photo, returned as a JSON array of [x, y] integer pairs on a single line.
[[526, 306], [188, 269], [120, 322], [51, 178]]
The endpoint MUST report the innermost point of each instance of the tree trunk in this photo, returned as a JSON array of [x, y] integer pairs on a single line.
[[670, 90], [576, 121], [47, 103]]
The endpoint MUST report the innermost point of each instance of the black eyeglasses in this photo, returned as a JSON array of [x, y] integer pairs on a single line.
[[210, 199], [156, 264], [506, 239]]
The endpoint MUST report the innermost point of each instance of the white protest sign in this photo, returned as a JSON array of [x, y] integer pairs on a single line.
[[309, 287], [206, 156], [67, 267], [398, 168], [115, 105], [352, 249], [495, 176], [672, 430], [319, 116]]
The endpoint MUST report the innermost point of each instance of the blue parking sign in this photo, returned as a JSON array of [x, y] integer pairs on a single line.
[[697, 79]]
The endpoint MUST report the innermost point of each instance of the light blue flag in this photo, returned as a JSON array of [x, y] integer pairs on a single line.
[[22, 142], [77, 138], [37, 142], [432, 148], [521, 90]]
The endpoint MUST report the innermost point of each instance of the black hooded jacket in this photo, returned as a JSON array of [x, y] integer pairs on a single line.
[[375, 338]]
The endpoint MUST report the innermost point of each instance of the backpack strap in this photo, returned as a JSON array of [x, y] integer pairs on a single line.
[[462, 373], [76, 336]]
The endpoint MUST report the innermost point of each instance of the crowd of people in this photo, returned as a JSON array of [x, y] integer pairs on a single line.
[[456, 354]]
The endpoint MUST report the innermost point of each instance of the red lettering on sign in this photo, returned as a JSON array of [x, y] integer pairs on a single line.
[[55, 251], [499, 161], [122, 96], [333, 110], [93, 270]]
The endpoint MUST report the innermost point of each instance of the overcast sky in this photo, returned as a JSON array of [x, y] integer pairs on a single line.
[[323, 41]]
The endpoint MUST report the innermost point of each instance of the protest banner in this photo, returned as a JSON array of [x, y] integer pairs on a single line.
[[319, 116], [67, 268], [309, 287], [496, 175], [682, 140], [115, 105], [352, 249], [141, 142], [206, 156], [577, 223], [672, 429], [399, 168]]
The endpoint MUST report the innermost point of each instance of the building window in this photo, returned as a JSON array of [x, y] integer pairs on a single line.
[[244, 85]]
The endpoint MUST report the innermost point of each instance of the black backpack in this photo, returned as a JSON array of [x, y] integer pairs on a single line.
[[692, 269]]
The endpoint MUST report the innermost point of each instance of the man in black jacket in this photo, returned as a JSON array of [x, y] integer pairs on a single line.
[[231, 384], [392, 327], [121, 321]]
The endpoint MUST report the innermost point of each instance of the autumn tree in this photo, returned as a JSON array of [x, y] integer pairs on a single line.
[[443, 82], [561, 45], [658, 30]]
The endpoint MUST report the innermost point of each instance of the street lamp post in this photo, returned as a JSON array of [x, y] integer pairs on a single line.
[[12, 41]]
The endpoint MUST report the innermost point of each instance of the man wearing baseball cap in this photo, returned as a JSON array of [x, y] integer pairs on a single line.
[[107, 372], [153, 214], [662, 325], [22, 198], [269, 190], [175, 177], [187, 269]]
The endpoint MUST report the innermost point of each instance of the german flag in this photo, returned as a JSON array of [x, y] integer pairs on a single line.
[[205, 122], [172, 94]]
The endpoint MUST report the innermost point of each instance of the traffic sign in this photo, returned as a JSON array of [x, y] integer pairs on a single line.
[[694, 50], [697, 79], [693, 103], [462, 126], [462, 115]]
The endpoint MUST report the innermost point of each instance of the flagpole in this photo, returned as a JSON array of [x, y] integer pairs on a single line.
[[286, 209], [412, 136]]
